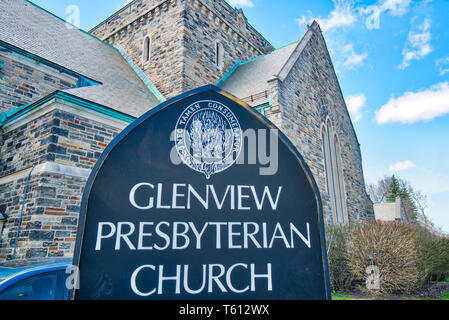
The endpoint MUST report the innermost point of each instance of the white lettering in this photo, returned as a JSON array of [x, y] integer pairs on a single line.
[[267, 275], [133, 281], [142, 234], [241, 196], [132, 195], [100, 235], [125, 236]]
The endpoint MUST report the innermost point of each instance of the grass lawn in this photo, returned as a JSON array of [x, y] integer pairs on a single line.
[[347, 296], [340, 296], [361, 296], [445, 296]]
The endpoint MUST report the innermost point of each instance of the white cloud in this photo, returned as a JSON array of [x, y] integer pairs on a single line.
[[403, 165], [352, 58], [418, 45], [303, 20], [395, 7], [355, 105], [444, 61], [342, 15], [241, 3], [412, 107]]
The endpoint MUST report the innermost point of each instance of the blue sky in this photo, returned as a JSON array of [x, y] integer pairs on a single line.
[[392, 61]]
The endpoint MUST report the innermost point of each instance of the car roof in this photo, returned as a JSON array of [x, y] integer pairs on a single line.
[[12, 272]]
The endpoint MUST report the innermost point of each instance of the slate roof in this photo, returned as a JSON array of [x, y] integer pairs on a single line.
[[252, 76], [30, 28]]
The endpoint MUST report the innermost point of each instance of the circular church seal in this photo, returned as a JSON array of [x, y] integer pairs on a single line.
[[208, 137]]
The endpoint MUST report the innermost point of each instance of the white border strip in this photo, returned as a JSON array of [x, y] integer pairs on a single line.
[[48, 167], [58, 104]]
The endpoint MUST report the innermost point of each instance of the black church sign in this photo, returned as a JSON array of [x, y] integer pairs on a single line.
[[201, 198]]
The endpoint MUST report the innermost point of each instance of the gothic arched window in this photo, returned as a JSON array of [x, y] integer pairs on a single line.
[[334, 172]]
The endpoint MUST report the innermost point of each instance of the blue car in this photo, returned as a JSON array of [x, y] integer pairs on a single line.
[[34, 280]]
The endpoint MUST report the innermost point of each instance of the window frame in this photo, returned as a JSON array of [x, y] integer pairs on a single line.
[[219, 55], [146, 56], [335, 184]]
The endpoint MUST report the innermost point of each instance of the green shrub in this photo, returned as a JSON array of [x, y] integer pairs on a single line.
[[408, 256], [336, 240], [390, 246], [433, 255]]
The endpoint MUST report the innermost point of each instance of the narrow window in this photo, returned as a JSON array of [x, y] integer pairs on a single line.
[[325, 155], [328, 168], [339, 175], [146, 49], [332, 171], [219, 55]]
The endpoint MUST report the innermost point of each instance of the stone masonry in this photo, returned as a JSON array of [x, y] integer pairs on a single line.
[[183, 35], [312, 79], [23, 81], [52, 200]]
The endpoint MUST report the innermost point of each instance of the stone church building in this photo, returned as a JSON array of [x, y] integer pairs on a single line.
[[66, 93]]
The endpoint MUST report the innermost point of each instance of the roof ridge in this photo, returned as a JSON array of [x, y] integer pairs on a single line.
[[143, 77], [267, 54], [65, 21], [297, 52]]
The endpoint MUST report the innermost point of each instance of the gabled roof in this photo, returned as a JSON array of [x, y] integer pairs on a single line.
[[253, 76], [34, 30]]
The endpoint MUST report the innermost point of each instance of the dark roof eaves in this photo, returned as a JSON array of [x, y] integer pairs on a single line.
[[63, 95]]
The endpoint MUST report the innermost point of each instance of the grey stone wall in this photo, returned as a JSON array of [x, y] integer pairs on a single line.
[[23, 81], [164, 26], [199, 61], [52, 204], [57, 136], [183, 36], [312, 78], [49, 218]]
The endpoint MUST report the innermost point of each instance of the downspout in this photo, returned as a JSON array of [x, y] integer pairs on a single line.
[[21, 212]]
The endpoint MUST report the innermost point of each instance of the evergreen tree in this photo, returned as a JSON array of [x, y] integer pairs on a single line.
[[394, 190], [400, 188]]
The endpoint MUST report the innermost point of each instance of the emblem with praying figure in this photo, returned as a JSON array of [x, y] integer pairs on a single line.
[[208, 137]]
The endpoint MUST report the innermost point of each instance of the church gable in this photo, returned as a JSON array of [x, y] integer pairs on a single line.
[[311, 102]]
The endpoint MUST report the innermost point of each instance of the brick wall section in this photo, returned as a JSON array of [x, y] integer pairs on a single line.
[[122, 17], [23, 81], [57, 136], [200, 61], [313, 76], [49, 219], [183, 36], [165, 31], [52, 206]]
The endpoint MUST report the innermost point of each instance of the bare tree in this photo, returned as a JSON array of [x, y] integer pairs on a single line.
[[379, 192], [415, 202]]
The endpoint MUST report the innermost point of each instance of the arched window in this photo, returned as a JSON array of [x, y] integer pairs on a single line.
[[146, 49], [340, 183], [219, 55], [334, 172]]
